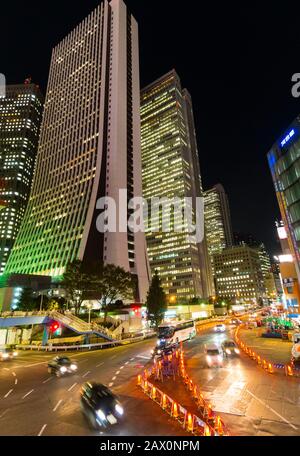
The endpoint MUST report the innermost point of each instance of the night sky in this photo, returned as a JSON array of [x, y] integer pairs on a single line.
[[236, 60]]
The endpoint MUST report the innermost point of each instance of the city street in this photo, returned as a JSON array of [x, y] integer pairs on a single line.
[[250, 401]]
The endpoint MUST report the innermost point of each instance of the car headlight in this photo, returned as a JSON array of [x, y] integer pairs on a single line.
[[101, 415], [119, 409], [63, 369], [15, 353], [228, 351], [237, 350], [152, 352], [208, 359], [5, 355], [158, 352], [73, 367], [216, 329]]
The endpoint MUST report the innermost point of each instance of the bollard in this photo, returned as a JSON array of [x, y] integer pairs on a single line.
[[190, 426], [258, 359], [265, 366], [195, 392], [207, 432], [175, 410], [289, 370], [146, 386], [153, 392], [219, 426], [190, 383], [270, 368], [139, 380], [164, 401]]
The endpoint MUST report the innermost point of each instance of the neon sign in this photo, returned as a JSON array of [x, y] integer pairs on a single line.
[[287, 138]]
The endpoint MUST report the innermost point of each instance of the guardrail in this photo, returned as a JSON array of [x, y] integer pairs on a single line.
[[100, 345]]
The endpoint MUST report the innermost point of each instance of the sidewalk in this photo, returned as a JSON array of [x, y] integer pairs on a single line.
[[273, 350]]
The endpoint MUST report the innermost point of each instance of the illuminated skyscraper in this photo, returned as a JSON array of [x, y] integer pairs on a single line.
[[20, 120], [284, 162], [217, 220], [171, 169], [89, 148]]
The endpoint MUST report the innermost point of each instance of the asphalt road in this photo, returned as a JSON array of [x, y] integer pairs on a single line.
[[250, 401], [32, 402]]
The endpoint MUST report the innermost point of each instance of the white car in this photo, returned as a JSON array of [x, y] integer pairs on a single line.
[[213, 355], [220, 328]]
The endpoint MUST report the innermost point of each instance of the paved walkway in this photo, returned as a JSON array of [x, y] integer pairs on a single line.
[[273, 350]]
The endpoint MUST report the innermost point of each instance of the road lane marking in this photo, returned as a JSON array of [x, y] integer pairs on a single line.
[[27, 394], [48, 379], [111, 384], [127, 362], [14, 374], [42, 430], [112, 357], [122, 367], [16, 381], [272, 410], [73, 386], [9, 392], [131, 359], [117, 373], [57, 405], [31, 365], [4, 413], [87, 373], [114, 378], [6, 369], [143, 357], [100, 364]]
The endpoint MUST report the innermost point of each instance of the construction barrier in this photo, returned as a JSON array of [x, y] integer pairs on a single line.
[[190, 422], [209, 416], [268, 366]]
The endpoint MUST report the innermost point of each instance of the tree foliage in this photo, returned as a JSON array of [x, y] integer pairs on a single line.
[[156, 301], [77, 283], [27, 302]]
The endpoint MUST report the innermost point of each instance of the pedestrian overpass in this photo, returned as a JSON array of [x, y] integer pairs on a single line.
[[70, 321]]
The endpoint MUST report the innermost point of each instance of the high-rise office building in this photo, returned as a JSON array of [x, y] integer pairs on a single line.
[[238, 274], [284, 162], [171, 169], [217, 220], [89, 148], [20, 119]]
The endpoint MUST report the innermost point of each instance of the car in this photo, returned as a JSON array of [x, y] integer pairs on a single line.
[[235, 321], [160, 351], [220, 328], [7, 354], [230, 348], [100, 406], [213, 355], [62, 365]]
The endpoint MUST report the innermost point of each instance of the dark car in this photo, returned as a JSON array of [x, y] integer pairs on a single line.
[[230, 348], [100, 406], [7, 353], [62, 365], [163, 350]]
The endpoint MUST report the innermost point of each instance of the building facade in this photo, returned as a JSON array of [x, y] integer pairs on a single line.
[[238, 274], [20, 119], [171, 170], [284, 163], [217, 220], [89, 149]]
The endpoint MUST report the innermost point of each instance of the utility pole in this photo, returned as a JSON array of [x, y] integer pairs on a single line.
[[41, 306]]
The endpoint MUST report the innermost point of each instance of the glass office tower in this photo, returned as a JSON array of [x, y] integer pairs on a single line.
[[284, 162], [89, 148], [20, 119], [170, 168]]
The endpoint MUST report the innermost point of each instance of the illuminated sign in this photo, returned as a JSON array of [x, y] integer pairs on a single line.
[[286, 258], [282, 232], [287, 138]]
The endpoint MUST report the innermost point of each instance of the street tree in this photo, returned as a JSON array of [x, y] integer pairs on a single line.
[[27, 302], [112, 283], [156, 301], [77, 283]]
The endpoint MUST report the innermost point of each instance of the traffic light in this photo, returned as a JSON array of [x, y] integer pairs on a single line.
[[55, 329]]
